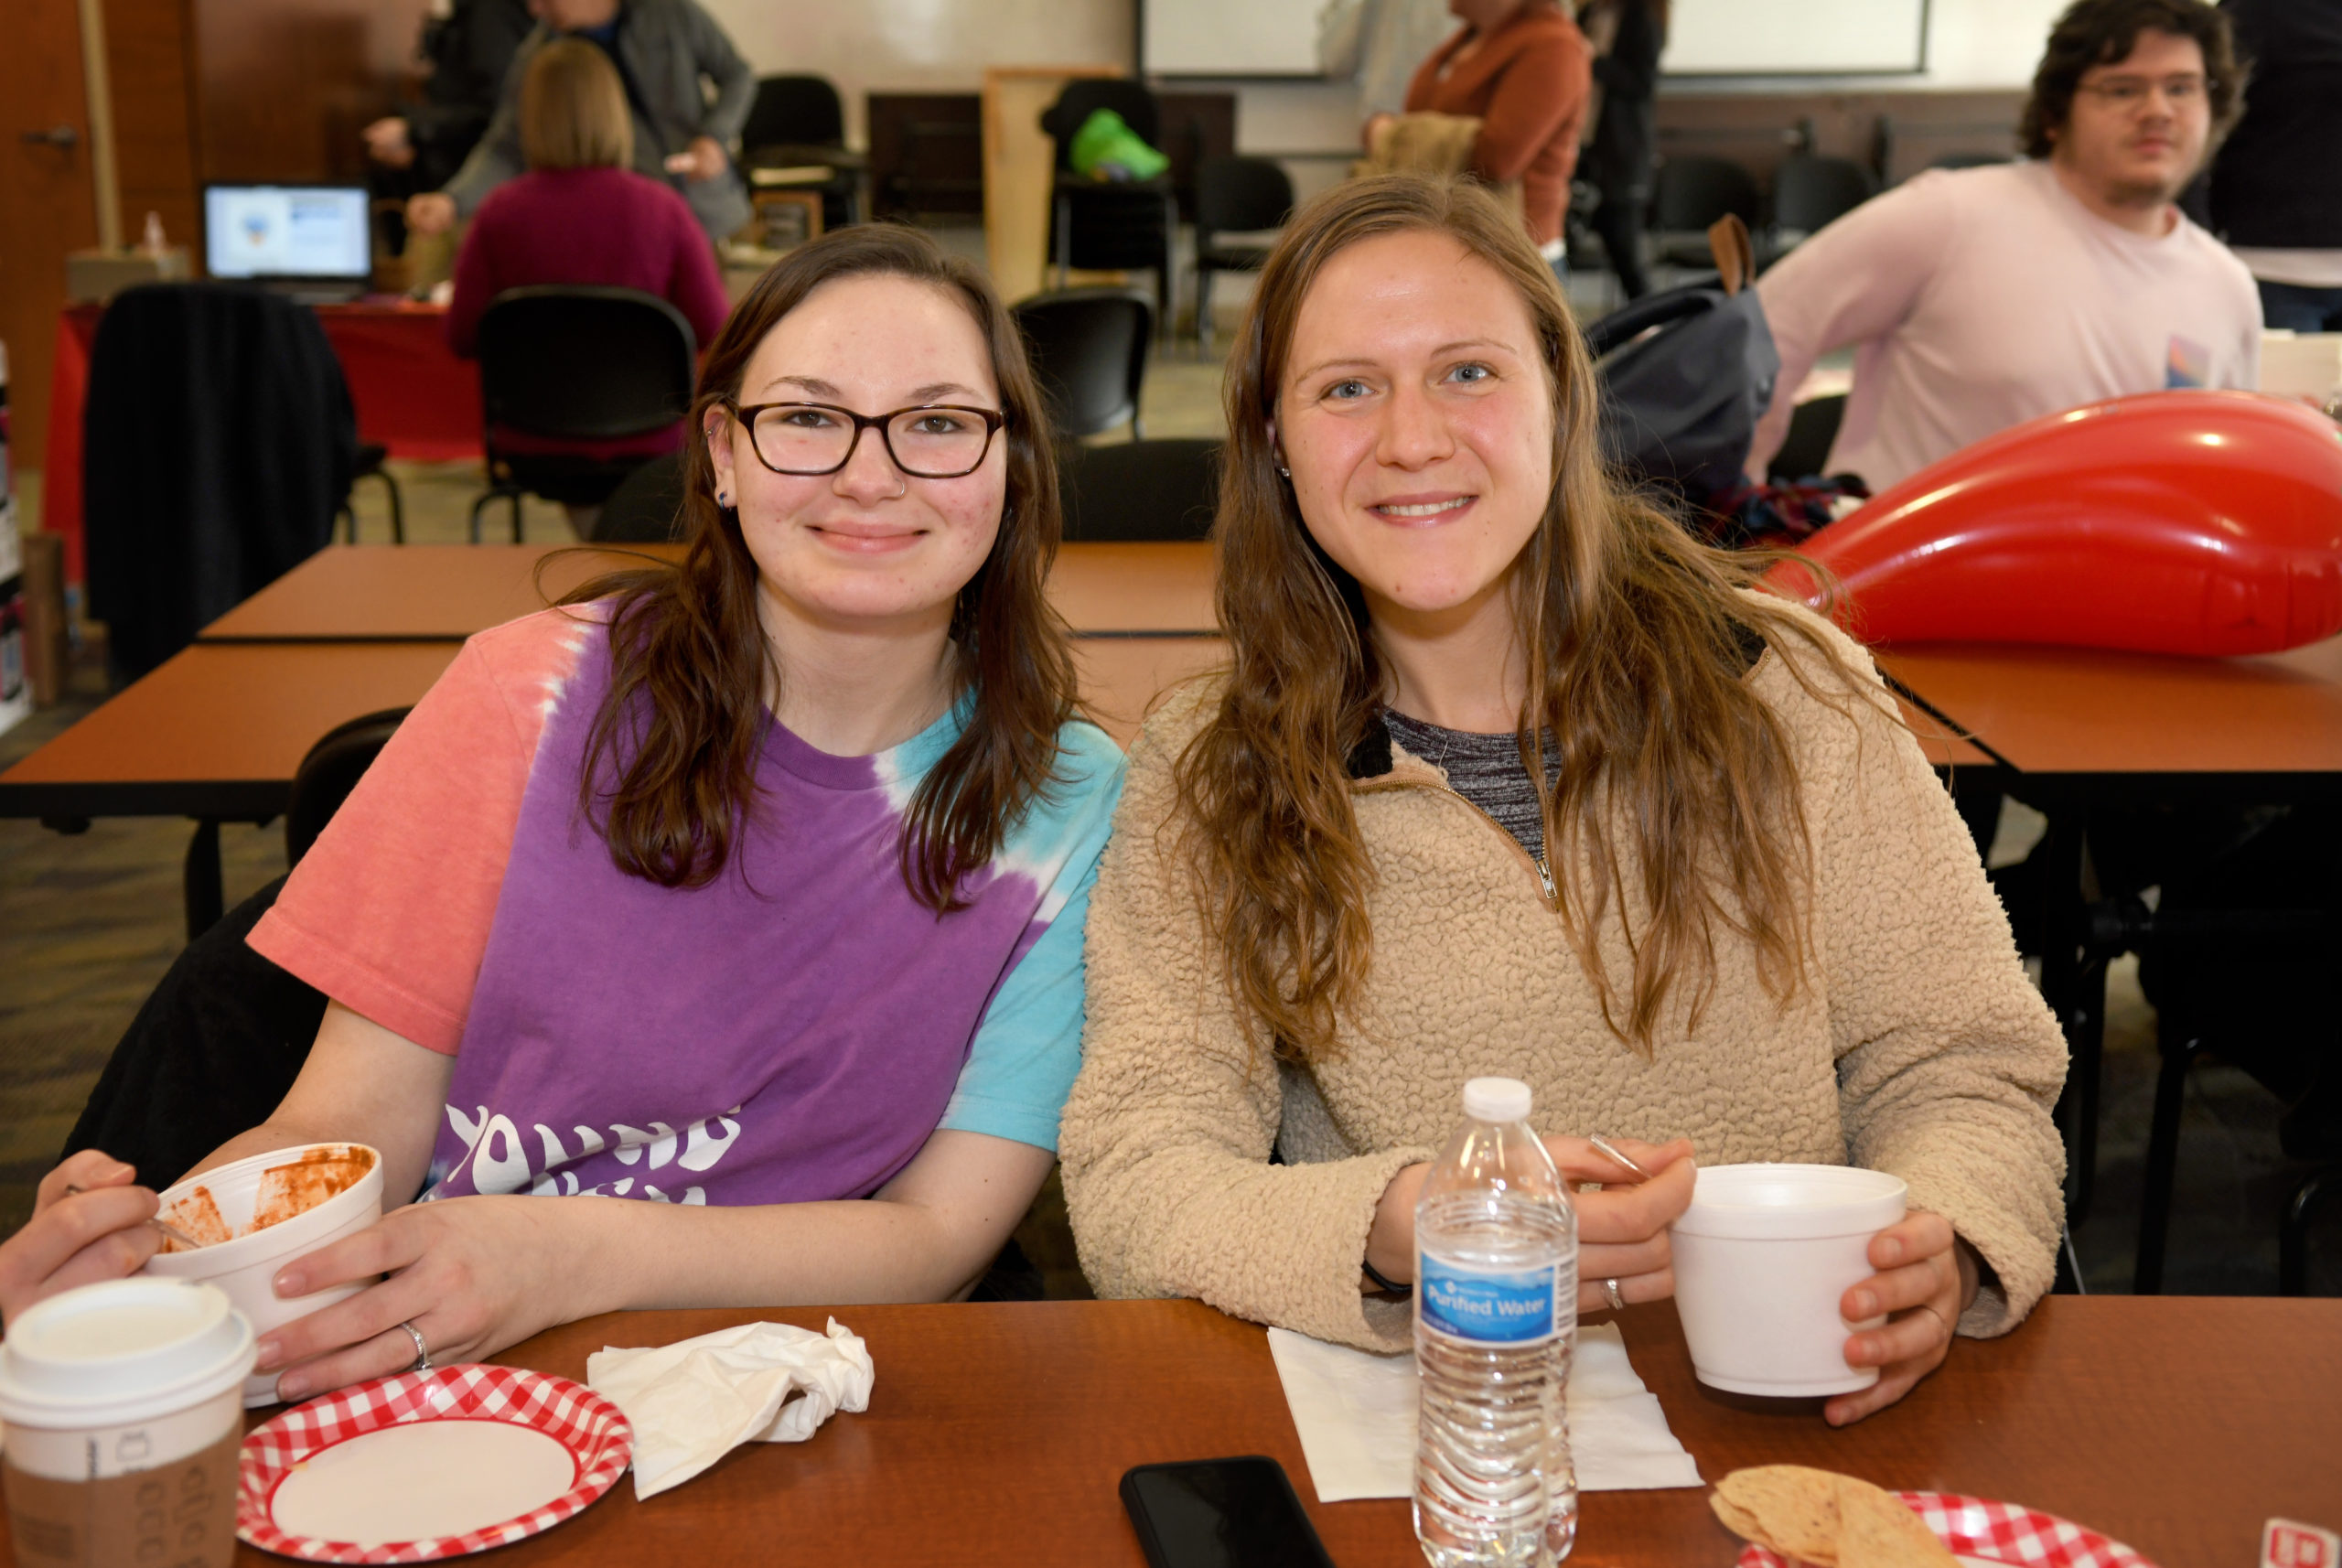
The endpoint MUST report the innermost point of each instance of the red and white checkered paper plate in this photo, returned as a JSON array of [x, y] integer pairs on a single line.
[[1982, 1531], [590, 1427]]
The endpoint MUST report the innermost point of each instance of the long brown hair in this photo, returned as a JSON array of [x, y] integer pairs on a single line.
[[670, 775], [1670, 771]]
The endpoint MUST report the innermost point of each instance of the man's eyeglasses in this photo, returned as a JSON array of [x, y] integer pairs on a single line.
[[2131, 92], [937, 441]]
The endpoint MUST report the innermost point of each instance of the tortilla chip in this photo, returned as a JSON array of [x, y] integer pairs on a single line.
[[1877, 1530], [198, 1214], [1794, 1508]]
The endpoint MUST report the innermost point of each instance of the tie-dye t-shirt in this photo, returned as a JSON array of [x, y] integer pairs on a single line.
[[793, 1031]]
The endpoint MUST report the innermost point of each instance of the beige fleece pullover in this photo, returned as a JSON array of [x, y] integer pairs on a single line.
[[1919, 1049]]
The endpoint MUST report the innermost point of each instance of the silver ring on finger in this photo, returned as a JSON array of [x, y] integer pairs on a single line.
[[1609, 1294], [422, 1351]]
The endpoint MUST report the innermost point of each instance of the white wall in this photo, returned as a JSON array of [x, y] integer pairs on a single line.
[[945, 46]]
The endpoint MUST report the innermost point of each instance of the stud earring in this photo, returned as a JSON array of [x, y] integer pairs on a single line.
[[1285, 471], [723, 499]]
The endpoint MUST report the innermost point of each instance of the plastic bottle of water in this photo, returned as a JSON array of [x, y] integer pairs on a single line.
[[1496, 1319]]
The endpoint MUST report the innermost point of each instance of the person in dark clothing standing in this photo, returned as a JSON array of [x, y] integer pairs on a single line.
[[468, 51], [1628, 36], [688, 89], [2277, 184]]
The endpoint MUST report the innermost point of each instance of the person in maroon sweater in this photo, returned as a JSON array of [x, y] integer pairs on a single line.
[[580, 215]]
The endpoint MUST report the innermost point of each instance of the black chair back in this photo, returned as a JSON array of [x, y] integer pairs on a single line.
[[794, 111], [1236, 195], [221, 445], [1805, 450], [1085, 97], [1811, 192], [584, 363], [1693, 191], [1971, 160], [328, 773], [1089, 352], [1144, 490], [647, 508]]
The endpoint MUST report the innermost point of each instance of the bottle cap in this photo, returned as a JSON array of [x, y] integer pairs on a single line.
[[1496, 1099]]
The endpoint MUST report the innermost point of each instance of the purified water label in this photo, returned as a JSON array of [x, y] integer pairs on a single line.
[[1486, 1306]]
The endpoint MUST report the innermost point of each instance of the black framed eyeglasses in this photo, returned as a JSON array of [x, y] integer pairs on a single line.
[[933, 441]]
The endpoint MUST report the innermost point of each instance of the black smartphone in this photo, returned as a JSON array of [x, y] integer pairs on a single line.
[[1221, 1513]]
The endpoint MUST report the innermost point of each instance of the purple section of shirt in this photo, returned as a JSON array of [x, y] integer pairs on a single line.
[[790, 1032]]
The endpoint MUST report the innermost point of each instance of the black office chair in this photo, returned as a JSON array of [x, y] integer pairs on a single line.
[[1971, 160], [1805, 450], [369, 466], [1141, 490], [220, 447], [647, 508], [223, 1035], [797, 122], [575, 364], [2236, 957], [1100, 224], [1811, 192], [1233, 196], [1691, 192], [329, 770], [1088, 351]]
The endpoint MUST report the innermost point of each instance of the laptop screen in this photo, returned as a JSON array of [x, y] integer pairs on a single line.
[[287, 231]]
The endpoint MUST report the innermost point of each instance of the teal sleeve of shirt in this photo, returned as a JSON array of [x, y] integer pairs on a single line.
[[1026, 1051]]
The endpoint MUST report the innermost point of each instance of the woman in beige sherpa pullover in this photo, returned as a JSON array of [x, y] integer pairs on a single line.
[[1508, 777]]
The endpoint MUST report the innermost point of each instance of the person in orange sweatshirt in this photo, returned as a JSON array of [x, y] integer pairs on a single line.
[[1523, 71]]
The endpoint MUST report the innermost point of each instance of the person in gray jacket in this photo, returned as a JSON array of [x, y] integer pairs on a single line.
[[663, 49]]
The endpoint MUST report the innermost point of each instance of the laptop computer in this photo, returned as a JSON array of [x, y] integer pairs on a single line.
[[312, 242]]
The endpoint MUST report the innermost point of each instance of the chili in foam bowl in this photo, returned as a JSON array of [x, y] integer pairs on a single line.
[[256, 1215]]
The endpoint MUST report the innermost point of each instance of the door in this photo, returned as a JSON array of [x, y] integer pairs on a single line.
[[48, 201]]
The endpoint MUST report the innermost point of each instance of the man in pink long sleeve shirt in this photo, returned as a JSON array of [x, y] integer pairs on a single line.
[[1980, 298]]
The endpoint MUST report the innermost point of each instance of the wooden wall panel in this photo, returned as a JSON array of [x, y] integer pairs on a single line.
[[1759, 130], [281, 87], [154, 118]]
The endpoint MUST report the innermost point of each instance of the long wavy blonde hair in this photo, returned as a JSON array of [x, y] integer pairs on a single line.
[[1637, 639]]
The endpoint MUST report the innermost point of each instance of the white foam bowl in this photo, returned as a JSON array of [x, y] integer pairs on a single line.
[[1763, 1256], [244, 1266]]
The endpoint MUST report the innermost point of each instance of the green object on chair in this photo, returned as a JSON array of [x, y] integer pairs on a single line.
[[1106, 148]]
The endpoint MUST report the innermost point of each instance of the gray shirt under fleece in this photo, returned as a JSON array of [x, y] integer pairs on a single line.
[[1485, 769]]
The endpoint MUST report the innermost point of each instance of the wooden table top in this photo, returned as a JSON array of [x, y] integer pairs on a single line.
[[219, 729], [997, 1434], [418, 591], [216, 731], [2073, 711]]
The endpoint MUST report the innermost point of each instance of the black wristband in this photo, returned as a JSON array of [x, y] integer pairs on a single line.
[[1386, 1287]]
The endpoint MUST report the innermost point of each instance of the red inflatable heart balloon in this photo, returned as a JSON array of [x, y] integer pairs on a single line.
[[2204, 522]]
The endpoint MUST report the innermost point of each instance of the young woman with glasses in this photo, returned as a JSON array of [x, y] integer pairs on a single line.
[[739, 892], [1512, 777]]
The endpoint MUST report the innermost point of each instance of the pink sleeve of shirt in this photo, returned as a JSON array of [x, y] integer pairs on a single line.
[[1853, 282], [389, 912]]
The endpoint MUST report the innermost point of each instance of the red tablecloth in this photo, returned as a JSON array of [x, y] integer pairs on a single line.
[[413, 395]]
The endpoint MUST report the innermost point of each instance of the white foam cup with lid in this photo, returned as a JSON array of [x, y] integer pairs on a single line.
[[124, 1407], [1762, 1258], [246, 1266]]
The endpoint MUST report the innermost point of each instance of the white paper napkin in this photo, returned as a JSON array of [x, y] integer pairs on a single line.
[[1355, 1414], [694, 1401]]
